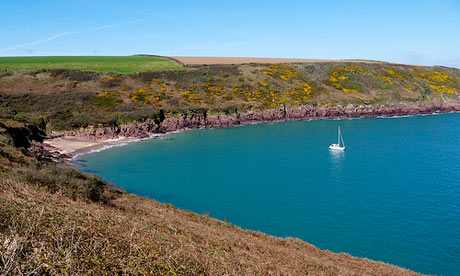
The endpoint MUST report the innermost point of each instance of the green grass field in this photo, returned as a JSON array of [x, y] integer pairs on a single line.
[[119, 64]]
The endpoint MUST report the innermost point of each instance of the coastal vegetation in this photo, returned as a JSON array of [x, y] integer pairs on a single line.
[[413, 79], [68, 99], [56, 220]]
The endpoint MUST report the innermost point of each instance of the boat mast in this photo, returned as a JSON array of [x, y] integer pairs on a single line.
[[338, 138]]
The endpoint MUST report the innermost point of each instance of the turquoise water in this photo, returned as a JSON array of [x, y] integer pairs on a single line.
[[393, 195]]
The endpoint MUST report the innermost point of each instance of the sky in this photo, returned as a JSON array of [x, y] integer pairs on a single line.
[[414, 32]]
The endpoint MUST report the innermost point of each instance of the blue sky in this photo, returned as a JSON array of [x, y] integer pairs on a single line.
[[416, 32]]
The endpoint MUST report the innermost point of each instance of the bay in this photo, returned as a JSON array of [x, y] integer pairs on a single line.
[[393, 195]]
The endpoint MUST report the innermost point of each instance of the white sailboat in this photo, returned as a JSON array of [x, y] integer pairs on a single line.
[[337, 146]]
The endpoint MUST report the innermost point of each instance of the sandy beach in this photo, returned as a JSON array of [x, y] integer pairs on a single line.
[[72, 145]]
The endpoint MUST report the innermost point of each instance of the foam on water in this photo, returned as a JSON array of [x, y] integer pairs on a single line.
[[116, 144]]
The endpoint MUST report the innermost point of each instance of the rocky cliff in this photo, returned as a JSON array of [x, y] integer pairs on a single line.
[[204, 120]]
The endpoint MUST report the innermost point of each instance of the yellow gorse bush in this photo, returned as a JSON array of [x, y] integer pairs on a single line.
[[284, 77], [386, 79], [413, 79], [271, 86], [339, 77], [440, 82], [103, 94], [116, 77], [443, 89], [268, 72], [349, 90], [141, 95], [284, 72], [296, 96]]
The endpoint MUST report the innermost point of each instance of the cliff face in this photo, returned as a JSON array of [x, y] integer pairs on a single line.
[[203, 120], [20, 134]]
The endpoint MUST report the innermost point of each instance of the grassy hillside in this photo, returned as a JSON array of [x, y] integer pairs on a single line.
[[119, 64], [68, 99]]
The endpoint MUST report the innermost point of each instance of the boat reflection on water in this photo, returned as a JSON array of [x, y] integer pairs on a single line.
[[337, 158]]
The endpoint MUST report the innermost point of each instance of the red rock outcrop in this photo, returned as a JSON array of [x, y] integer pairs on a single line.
[[150, 127]]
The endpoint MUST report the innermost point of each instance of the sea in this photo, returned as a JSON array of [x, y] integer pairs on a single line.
[[393, 195]]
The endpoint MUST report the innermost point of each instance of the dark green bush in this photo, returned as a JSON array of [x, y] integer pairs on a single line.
[[68, 181]]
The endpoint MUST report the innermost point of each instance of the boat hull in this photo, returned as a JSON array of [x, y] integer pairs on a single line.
[[336, 147]]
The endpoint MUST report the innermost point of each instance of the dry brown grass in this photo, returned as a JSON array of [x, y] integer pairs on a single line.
[[53, 234]]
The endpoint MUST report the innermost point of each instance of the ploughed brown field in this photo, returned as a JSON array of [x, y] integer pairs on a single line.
[[245, 60]]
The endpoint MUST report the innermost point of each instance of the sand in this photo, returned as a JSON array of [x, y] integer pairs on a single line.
[[72, 145]]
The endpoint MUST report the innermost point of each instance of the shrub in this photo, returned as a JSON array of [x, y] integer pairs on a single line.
[[69, 181], [106, 100]]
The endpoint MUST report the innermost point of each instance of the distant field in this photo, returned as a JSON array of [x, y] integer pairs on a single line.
[[119, 64], [244, 60]]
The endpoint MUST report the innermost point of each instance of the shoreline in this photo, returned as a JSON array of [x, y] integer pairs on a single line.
[[75, 144]]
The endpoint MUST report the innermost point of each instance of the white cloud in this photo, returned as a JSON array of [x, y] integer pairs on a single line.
[[36, 42], [51, 38]]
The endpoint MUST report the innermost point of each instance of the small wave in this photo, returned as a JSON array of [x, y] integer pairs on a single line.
[[94, 150], [114, 144], [395, 116]]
